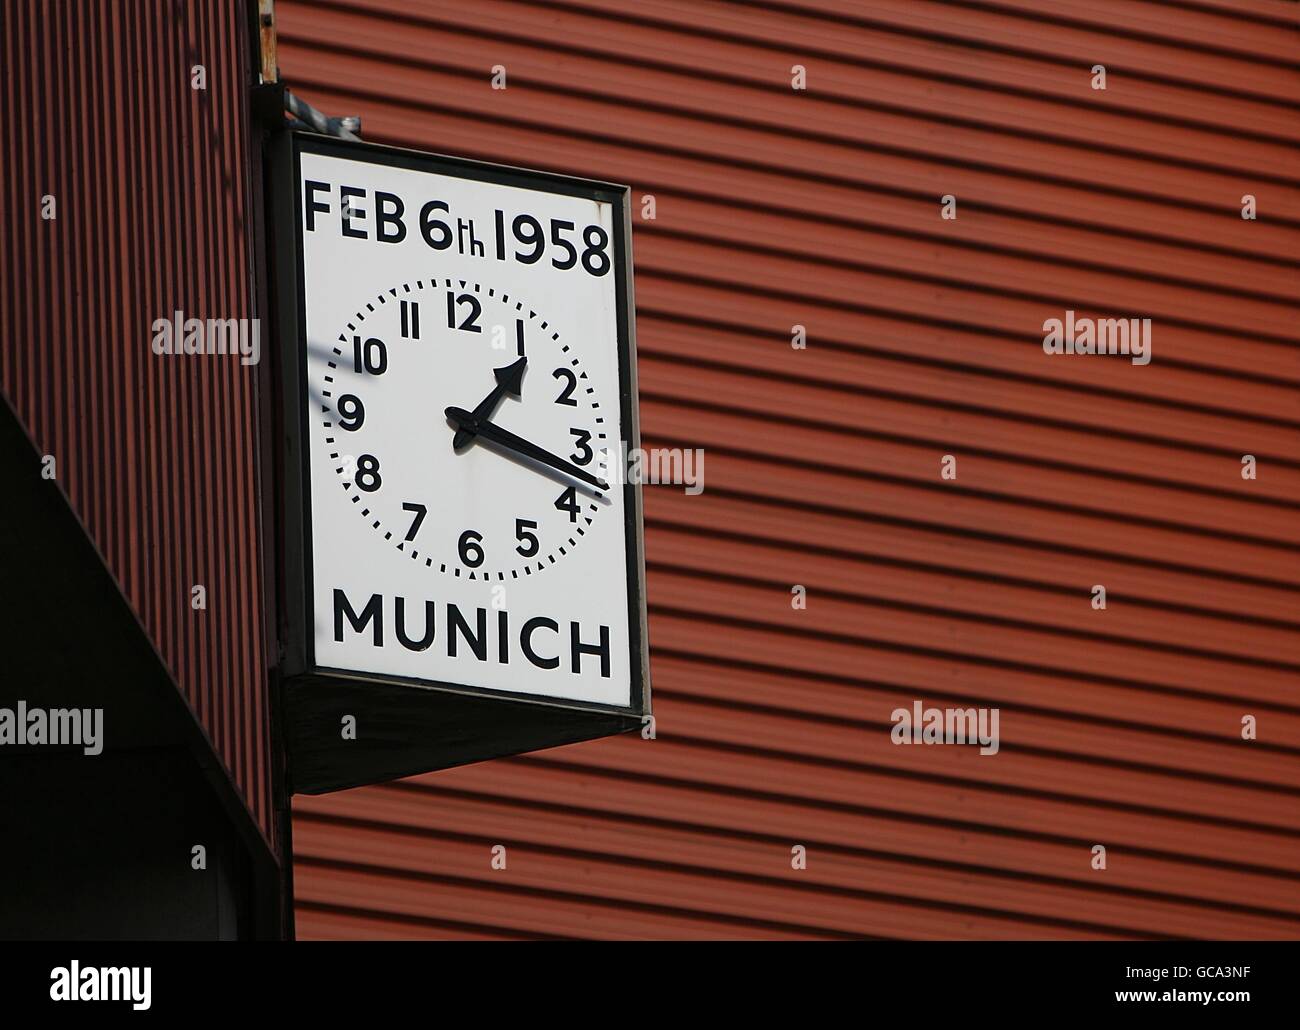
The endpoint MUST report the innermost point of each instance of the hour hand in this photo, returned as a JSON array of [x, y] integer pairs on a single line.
[[463, 419], [509, 380]]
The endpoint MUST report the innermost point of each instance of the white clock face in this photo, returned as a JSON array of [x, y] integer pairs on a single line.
[[465, 410], [416, 349]]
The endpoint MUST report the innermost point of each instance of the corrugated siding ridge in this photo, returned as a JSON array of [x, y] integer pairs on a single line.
[[757, 105], [839, 92]]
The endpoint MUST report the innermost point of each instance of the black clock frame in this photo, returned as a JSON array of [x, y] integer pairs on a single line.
[[408, 726]]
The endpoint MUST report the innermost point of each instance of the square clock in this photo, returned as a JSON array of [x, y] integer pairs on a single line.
[[462, 562]]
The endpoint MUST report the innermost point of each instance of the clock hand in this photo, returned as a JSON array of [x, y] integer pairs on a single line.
[[509, 380], [464, 420]]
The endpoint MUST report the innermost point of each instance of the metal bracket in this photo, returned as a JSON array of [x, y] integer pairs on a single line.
[[271, 101], [346, 127]]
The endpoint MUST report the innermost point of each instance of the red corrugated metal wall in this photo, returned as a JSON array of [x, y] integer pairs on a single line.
[[150, 184], [778, 207]]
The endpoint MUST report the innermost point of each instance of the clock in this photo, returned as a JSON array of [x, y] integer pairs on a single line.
[[442, 389], [458, 375]]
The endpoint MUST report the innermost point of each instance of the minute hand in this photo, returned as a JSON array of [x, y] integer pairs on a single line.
[[492, 431]]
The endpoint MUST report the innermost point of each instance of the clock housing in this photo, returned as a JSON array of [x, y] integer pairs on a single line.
[[465, 597]]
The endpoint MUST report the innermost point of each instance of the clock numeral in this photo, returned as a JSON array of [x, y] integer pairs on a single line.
[[368, 478], [470, 322], [584, 453], [410, 320], [528, 231], [570, 384], [527, 539], [471, 549], [557, 226], [594, 258], [568, 501], [420, 511], [437, 233], [372, 356], [352, 413], [532, 238]]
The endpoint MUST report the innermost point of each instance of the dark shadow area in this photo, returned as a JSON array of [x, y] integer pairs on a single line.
[[100, 845]]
